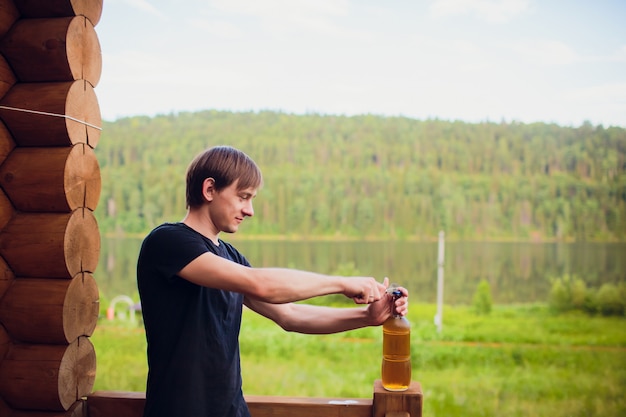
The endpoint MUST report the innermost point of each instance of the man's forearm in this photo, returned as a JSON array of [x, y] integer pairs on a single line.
[[309, 319], [287, 285]]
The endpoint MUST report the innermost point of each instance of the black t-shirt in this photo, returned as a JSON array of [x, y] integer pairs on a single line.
[[192, 331]]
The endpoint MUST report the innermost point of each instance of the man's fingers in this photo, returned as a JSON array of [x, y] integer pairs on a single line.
[[371, 293]]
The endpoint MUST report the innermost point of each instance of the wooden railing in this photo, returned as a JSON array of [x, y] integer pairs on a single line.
[[382, 404]]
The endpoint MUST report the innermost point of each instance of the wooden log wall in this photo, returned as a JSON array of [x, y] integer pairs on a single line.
[[50, 63]]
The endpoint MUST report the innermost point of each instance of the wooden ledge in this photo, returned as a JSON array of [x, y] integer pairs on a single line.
[[130, 404], [115, 404], [269, 406], [383, 404]]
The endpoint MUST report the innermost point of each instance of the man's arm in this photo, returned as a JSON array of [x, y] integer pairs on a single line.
[[277, 285], [310, 319]]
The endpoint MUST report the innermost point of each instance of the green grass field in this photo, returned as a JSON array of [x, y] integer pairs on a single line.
[[516, 361]]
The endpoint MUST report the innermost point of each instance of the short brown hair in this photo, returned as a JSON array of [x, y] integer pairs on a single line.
[[225, 165]]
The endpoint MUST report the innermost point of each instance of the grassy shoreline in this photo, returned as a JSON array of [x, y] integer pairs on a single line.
[[517, 361]]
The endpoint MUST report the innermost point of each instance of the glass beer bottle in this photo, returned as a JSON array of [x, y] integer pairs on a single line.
[[396, 366]]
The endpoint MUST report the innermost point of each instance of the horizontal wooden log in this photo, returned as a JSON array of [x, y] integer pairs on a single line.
[[115, 404], [53, 179], [8, 15], [262, 406], [92, 9], [7, 77], [6, 277], [52, 114], [409, 401], [47, 377], [56, 49], [51, 245], [76, 410], [50, 311], [131, 404], [6, 210]]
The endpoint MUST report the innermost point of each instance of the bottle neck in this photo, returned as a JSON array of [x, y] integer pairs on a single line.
[[394, 312]]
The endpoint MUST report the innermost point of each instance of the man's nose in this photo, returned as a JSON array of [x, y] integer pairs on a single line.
[[248, 210]]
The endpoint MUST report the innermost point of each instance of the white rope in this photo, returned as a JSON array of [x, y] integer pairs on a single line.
[[51, 114]]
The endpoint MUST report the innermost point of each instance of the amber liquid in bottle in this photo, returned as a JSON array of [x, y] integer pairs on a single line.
[[396, 366]]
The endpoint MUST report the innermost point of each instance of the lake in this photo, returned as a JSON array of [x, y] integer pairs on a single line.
[[517, 272]]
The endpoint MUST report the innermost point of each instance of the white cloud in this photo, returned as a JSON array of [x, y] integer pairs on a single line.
[[493, 11], [544, 52], [619, 55], [138, 68], [288, 16], [219, 28], [144, 5], [607, 93], [604, 103], [448, 58], [283, 8]]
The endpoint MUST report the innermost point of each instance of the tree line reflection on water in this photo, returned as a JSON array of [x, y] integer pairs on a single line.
[[517, 272]]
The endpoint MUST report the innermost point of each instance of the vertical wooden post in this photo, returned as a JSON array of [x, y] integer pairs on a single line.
[[440, 252], [50, 62], [388, 404]]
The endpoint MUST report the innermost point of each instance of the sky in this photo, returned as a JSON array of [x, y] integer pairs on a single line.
[[526, 61]]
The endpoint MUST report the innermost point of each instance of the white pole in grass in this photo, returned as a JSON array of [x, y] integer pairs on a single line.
[[439, 315]]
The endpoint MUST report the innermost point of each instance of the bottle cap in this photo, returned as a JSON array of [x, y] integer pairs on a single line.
[[393, 290]]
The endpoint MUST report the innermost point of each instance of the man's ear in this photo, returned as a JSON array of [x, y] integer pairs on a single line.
[[208, 189]]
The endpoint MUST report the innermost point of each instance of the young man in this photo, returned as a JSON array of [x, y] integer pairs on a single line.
[[193, 285]]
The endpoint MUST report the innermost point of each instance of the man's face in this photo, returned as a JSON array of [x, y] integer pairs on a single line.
[[230, 206]]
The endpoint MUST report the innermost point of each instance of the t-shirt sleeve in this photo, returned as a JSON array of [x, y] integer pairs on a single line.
[[168, 250], [233, 254]]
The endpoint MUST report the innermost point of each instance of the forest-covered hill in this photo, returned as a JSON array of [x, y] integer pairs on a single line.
[[377, 177]]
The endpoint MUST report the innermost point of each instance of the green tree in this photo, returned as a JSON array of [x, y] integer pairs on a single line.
[[482, 300]]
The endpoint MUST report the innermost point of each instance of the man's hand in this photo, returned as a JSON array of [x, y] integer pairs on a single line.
[[364, 290], [384, 308]]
